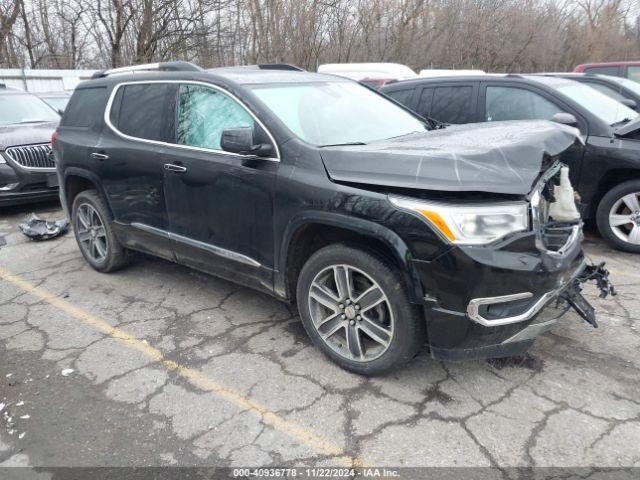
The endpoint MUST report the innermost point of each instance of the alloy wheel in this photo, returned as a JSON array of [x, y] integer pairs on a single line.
[[624, 218], [91, 232], [351, 313]]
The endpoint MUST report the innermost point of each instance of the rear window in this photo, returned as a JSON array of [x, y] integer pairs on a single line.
[[402, 96], [85, 107], [448, 104], [603, 70], [144, 110]]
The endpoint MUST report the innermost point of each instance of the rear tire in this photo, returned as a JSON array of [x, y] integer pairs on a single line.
[[91, 222], [618, 216], [370, 333]]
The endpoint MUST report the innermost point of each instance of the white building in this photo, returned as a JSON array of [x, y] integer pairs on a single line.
[[43, 80]]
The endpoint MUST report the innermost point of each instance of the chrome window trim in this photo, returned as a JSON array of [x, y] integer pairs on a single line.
[[31, 169], [221, 252], [474, 305], [107, 120]]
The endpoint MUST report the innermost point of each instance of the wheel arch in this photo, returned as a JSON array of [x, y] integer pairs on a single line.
[[611, 179], [77, 180], [308, 232]]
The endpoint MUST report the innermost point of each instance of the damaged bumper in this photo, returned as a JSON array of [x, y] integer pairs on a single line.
[[512, 292]]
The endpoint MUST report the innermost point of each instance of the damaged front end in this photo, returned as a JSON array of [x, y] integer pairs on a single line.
[[515, 288], [557, 224]]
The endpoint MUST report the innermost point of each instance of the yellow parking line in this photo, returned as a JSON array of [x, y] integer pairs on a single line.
[[298, 432]]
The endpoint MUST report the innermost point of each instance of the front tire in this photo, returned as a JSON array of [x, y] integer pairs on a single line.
[[92, 228], [354, 306], [618, 216]]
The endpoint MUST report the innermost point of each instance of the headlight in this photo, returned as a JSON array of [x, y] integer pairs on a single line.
[[2, 160], [470, 224]]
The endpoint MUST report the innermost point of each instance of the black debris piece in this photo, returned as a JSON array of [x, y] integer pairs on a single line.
[[38, 229]]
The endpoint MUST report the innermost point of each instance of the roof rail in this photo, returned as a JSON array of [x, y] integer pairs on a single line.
[[280, 66], [178, 66]]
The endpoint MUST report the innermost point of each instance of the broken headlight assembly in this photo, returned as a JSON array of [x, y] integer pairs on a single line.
[[469, 224]]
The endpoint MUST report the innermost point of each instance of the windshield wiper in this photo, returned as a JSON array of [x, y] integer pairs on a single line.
[[342, 144], [621, 122]]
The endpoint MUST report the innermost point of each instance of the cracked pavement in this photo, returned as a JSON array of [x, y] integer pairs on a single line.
[[573, 402]]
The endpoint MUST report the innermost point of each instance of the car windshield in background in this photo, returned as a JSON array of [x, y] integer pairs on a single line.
[[58, 103], [625, 82], [336, 113], [601, 105], [16, 109]]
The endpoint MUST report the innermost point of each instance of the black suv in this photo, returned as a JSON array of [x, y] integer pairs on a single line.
[[27, 171], [315, 189], [606, 173]]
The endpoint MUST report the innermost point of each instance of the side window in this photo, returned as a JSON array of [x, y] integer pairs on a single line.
[[402, 96], [203, 113], [453, 104], [615, 71], [510, 103], [143, 110], [424, 103], [85, 108], [607, 90]]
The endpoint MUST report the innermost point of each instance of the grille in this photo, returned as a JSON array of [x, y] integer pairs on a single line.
[[32, 156]]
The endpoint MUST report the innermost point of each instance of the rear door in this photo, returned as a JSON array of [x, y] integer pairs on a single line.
[[503, 101], [220, 204], [449, 102], [130, 165]]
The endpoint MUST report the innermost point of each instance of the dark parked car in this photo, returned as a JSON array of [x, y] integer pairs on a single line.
[[606, 173], [316, 189], [27, 171], [621, 89]]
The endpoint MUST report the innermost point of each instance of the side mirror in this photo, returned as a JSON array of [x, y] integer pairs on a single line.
[[629, 103], [565, 119], [240, 140]]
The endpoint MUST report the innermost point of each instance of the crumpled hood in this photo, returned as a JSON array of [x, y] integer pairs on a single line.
[[497, 157], [26, 134]]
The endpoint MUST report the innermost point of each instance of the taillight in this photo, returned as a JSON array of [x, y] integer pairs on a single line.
[[54, 137]]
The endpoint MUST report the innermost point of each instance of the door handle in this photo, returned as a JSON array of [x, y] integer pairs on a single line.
[[175, 168], [99, 156]]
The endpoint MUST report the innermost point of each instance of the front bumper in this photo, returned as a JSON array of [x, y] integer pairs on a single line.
[[19, 185], [493, 301]]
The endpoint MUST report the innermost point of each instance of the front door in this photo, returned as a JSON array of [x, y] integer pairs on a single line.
[[505, 101], [220, 204]]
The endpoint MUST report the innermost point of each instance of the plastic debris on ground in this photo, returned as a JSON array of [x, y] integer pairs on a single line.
[[38, 229], [67, 371]]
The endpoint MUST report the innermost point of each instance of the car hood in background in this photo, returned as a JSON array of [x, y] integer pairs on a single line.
[[629, 128], [26, 134], [496, 157]]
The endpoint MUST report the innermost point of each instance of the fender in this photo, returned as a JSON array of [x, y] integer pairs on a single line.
[[401, 252], [80, 172]]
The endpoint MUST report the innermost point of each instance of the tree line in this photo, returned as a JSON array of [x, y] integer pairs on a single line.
[[493, 35]]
